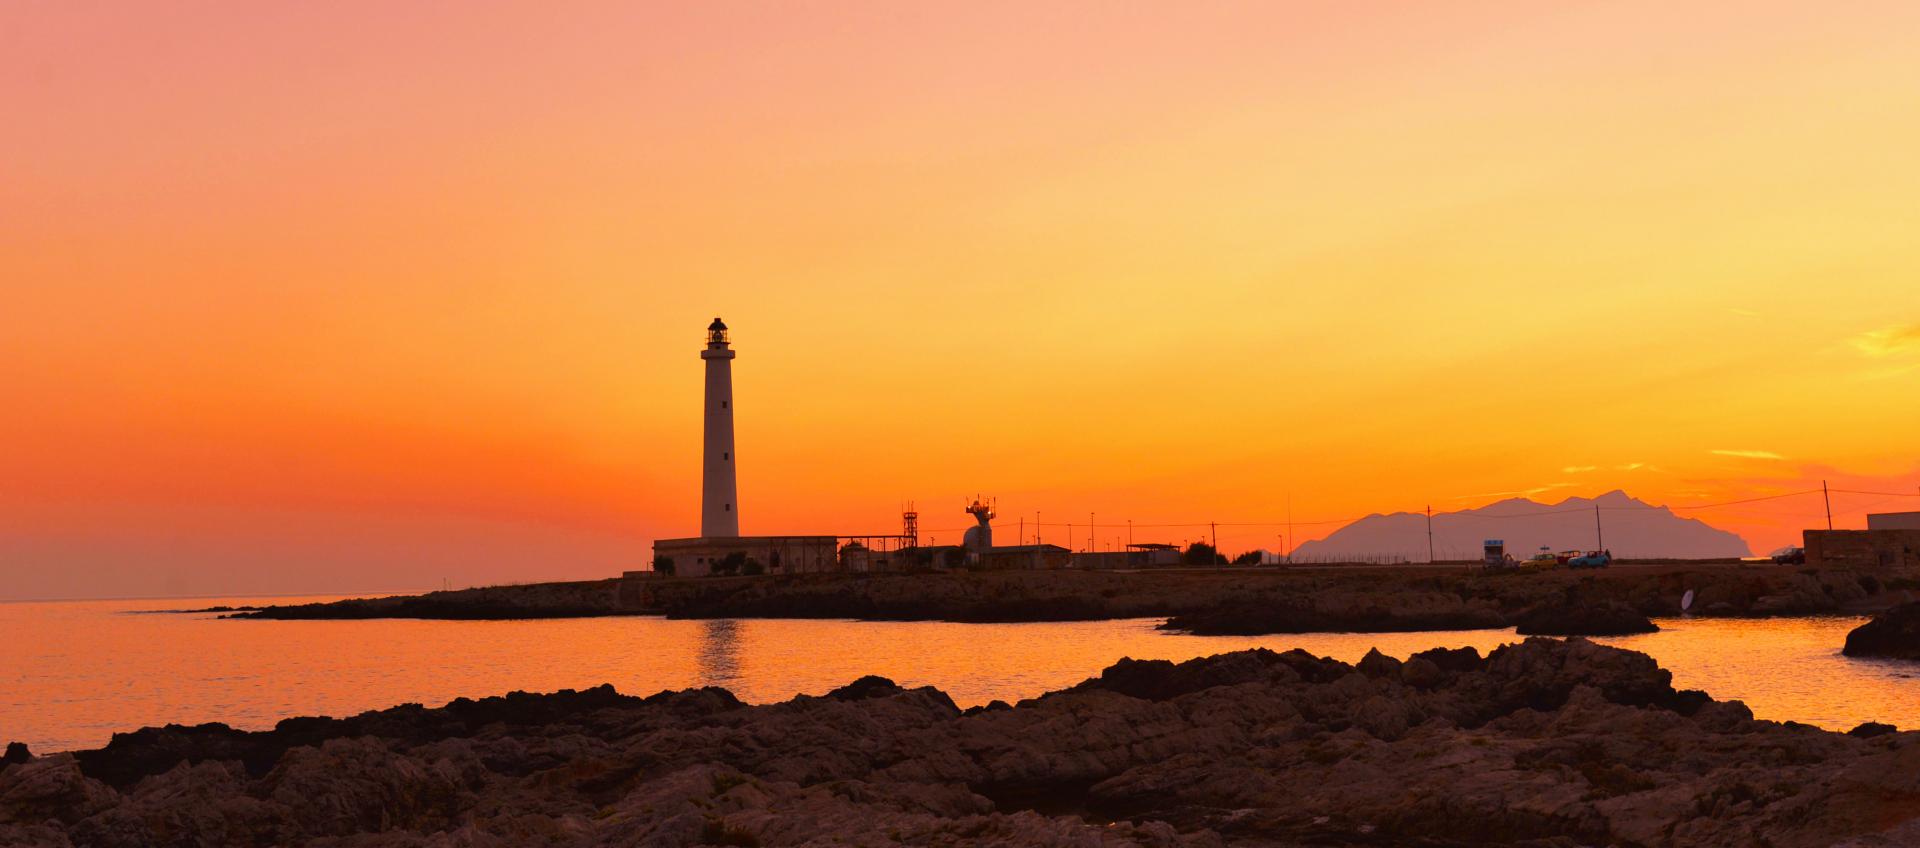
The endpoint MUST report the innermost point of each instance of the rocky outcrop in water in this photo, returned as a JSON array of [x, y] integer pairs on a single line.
[[1603, 618], [1582, 610], [1894, 633], [1547, 743]]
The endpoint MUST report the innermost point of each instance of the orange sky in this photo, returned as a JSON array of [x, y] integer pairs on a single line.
[[364, 296]]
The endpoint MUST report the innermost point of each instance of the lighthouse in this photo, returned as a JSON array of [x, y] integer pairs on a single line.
[[720, 549], [719, 504]]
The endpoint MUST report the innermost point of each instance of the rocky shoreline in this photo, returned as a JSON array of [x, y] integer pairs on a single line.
[[1235, 601], [1544, 743]]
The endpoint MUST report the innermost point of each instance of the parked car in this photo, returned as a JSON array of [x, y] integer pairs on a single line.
[[1542, 560], [1591, 559], [1567, 556], [1790, 556]]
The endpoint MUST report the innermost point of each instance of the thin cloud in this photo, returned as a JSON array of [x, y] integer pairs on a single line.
[[1887, 373], [1631, 466], [1523, 493], [1747, 454], [1891, 341], [1579, 469]]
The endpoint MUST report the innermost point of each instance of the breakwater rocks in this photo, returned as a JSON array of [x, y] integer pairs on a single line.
[[1546, 743], [1894, 633], [1242, 601]]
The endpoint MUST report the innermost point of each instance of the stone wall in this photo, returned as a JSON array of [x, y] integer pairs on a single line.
[[1863, 548]]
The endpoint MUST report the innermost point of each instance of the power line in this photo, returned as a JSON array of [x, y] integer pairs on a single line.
[[1742, 501]]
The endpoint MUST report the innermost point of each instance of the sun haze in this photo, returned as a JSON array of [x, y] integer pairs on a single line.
[[362, 296]]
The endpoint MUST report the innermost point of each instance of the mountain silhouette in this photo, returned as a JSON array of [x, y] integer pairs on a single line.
[[1630, 528]]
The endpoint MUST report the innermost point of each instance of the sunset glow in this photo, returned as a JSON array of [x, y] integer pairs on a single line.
[[355, 297]]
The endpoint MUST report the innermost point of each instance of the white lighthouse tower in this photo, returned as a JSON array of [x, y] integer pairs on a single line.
[[719, 497]]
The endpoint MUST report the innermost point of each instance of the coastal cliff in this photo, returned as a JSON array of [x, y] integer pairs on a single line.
[[1544, 743]]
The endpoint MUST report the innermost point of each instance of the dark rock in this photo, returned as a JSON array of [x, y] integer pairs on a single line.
[[1452, 659], [871, 686], [1689, 701], [1603, 618], [129, 757], [1376, 664], [1161, 680], [1422, 673], [1871, 729], [16, 753], [1894, 634]]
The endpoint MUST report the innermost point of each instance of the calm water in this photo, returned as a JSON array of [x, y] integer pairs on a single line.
[[72, 673]]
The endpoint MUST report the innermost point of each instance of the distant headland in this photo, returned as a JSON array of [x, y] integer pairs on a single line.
[[1242, 600]]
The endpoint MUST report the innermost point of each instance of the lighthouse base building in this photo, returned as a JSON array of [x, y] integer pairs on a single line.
[[702, 557]]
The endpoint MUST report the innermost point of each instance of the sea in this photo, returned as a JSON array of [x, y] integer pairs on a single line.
[[73, 673]]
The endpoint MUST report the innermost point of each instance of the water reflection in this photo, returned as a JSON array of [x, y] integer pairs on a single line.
[[71, 674], [719, 657]]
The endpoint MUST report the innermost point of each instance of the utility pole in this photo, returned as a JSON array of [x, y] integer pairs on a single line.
[[1092, 545], [1216, 540], [1129, 534], [1429, 534], [1829, 499], [1023, 529], [1599, 540], [1036, 538], [1289, 528]]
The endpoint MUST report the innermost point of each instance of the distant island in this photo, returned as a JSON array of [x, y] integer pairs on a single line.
[[1631, 528]]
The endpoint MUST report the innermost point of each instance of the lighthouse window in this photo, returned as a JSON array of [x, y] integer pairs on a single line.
[[725, 455], [723, 404], [729, 508]]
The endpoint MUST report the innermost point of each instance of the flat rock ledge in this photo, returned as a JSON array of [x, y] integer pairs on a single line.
[[1894, 634], [1546, 743]]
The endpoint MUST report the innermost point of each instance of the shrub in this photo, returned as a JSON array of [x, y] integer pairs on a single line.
[[1201, 553]]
